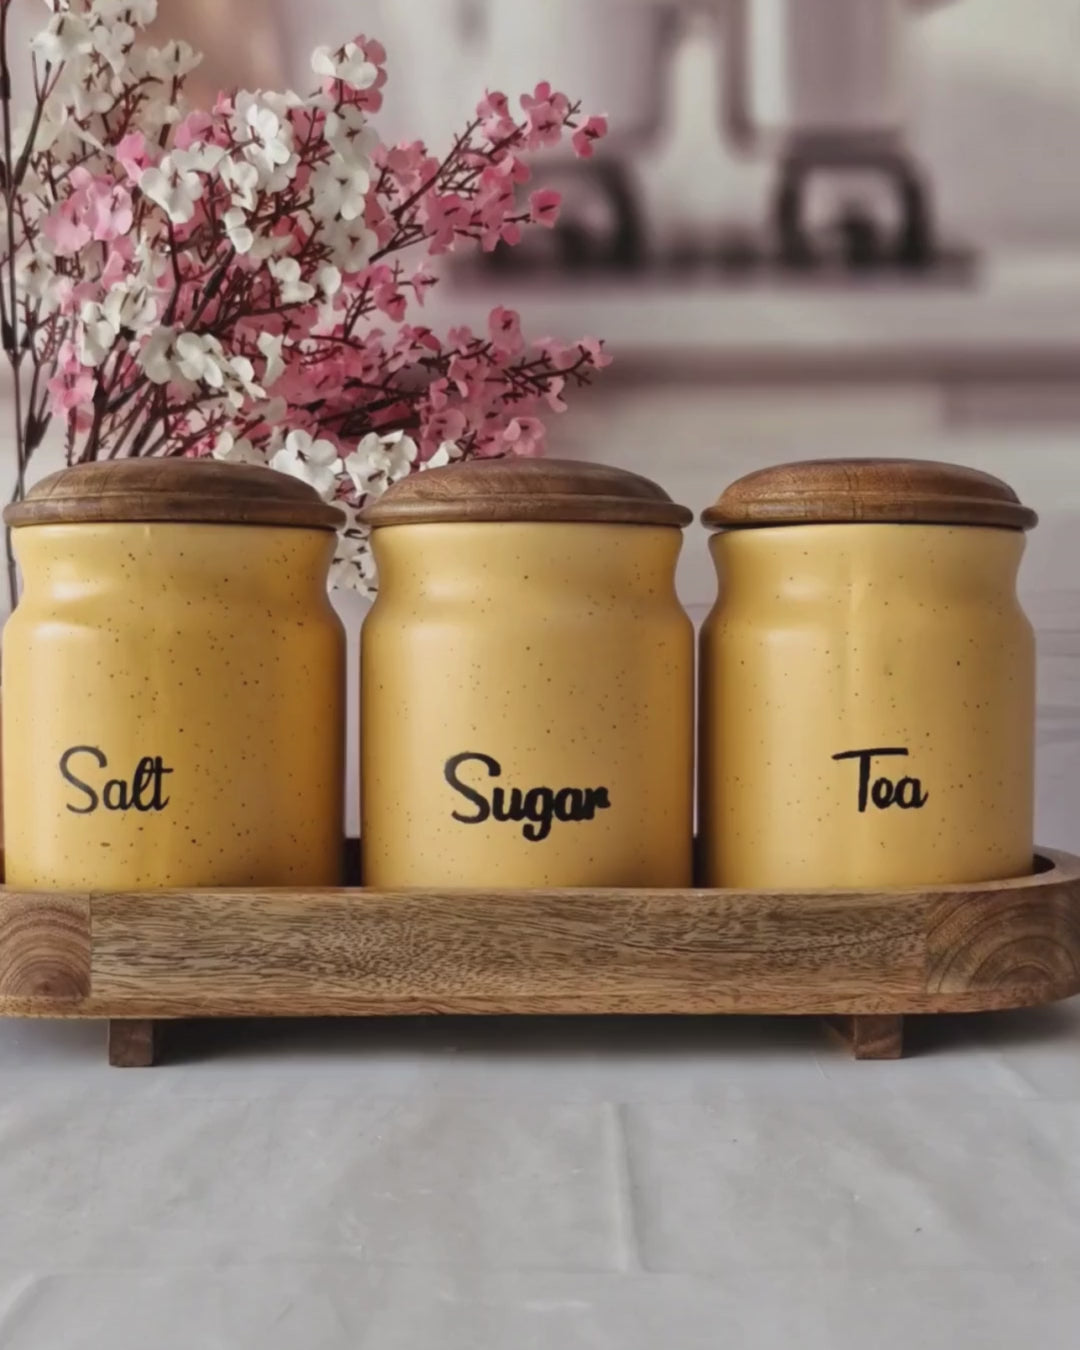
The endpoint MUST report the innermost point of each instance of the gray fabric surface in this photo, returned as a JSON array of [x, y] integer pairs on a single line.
[[518, 1184]]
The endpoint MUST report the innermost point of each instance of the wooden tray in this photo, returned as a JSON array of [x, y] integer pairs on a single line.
[[863, 958]]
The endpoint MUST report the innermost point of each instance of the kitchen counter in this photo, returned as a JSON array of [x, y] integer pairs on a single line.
[[1018, 317]]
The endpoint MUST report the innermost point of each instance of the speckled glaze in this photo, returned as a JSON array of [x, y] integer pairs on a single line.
[[212, 646], [829, 639], [560, 652]]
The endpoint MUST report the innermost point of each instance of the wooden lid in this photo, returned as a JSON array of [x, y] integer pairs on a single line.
[[205, 491], [526, 490], [850, 491]]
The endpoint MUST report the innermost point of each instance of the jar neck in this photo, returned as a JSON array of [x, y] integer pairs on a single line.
[[893, 563], [249, 564], [511, 560]]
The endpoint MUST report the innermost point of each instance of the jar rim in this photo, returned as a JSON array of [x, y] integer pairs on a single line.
[[523, 490], [190, 491], [868, 491]]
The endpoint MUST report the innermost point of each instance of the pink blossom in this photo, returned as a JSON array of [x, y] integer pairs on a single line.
[[504, 325], [546, 111], [493, 104], [561, 355], [421, 282], [410, 165], [195, 128], [544, 207], [133, 155], [391, 301], [73, 384], [493, 110], [108, 209], [117, 263], [445, 425], [524, 436], [553, 398], [444, 216], [66, 229], [278, 289], [593, 349], [584, 139]]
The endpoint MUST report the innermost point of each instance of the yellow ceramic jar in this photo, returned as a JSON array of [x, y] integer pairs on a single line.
[[867, 680], [173, 677], [527, 682]]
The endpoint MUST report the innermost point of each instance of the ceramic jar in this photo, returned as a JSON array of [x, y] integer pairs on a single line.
[[527, 681], [173, 677], [867, 680]]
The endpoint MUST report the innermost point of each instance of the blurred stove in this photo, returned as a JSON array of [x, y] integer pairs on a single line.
[[885, 231], [815, 91]]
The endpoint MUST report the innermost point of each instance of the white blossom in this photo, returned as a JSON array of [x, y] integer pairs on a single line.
[[199, 157], [270, 345], [114, 40], [329, 279], [238, 230], [445, 454], [267, 139], [351, 135], [314, 462], [199, 358], [353, 567], [242, 180], [156, 356], [351, 244], [142, 12], [339, 190], [243, 385], [292, 290], [64, 36], [174, 188], [366, 466], [126, 309], [171, 62], [401, 451], [96, 335], [237, 450], [379, 461], [348, 64]]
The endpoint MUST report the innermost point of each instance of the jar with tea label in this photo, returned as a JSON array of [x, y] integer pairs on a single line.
[[173, 710], [527, 681], [867, 681]]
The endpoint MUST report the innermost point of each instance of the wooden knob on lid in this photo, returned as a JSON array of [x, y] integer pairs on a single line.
[[853, 491], [526, 490], [197, 491]]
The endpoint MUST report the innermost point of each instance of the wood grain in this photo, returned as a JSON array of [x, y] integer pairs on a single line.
[[872, 1036], [849, 491], [526, 490], [134, 1043], [205, 491], [354, 952], [44, 948]]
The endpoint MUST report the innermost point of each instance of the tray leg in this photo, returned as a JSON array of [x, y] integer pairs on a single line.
[[871, 1035], [134, 1043]]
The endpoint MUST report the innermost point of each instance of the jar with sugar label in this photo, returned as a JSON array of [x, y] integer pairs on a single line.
[[527, 681]]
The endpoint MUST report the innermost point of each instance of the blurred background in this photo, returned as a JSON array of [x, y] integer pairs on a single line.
[[818, 227]]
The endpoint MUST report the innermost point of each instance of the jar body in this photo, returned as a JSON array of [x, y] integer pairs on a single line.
[[173, 708], [867, 708], [526, 708]]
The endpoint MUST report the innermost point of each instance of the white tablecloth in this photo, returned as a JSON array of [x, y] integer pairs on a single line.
[[504, 1185]]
